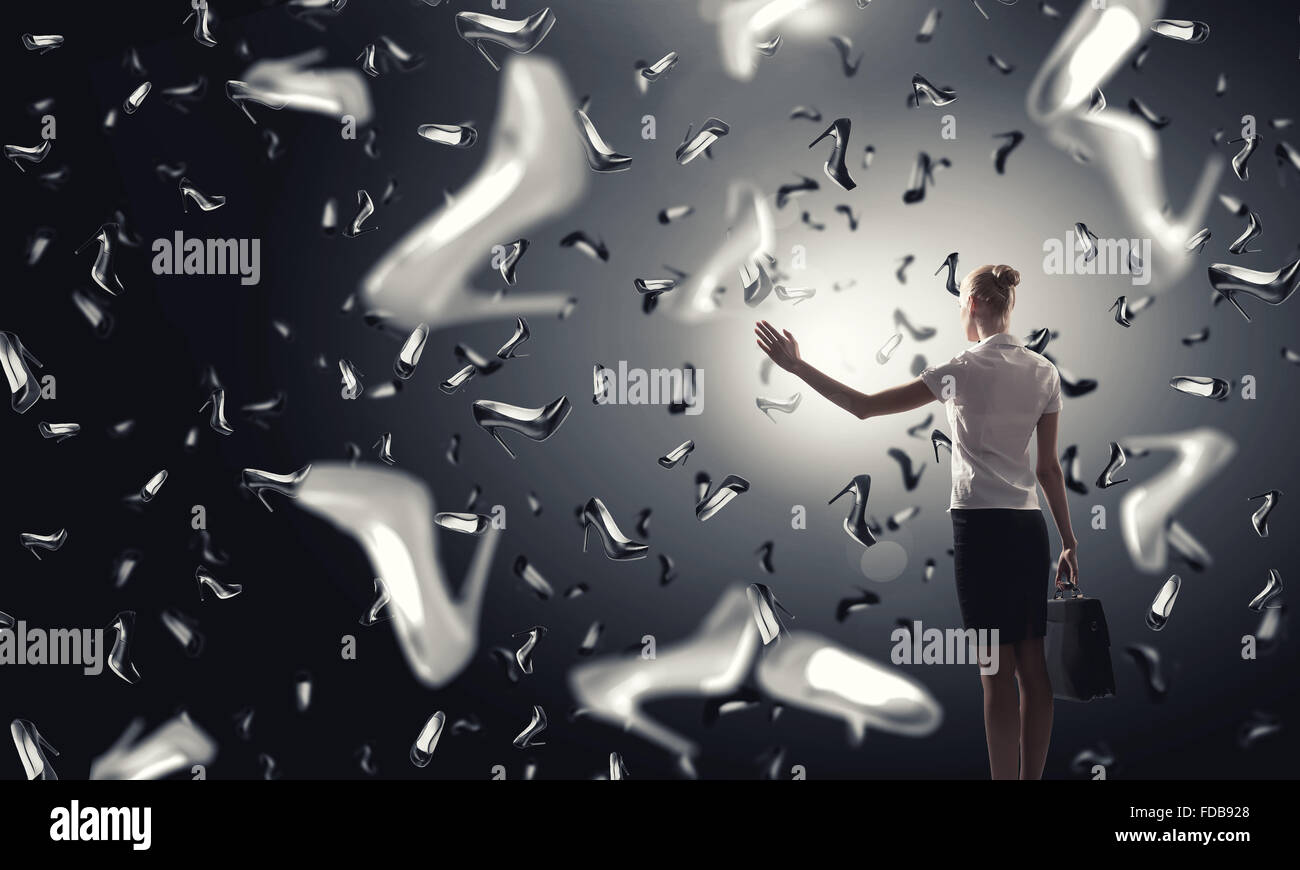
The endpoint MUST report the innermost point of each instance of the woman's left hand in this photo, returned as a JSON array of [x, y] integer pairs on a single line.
[[782, 348]]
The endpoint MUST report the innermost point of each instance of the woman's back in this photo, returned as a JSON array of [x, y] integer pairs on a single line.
[[997, 393], [994, 393]]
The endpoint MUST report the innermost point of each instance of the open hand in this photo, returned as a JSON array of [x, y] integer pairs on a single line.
[[780, 346]]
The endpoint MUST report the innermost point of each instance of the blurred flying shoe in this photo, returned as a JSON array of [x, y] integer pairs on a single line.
[[534, 171], [390, 514], [712, 662]]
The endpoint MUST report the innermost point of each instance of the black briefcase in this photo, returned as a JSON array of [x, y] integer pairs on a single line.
[[1078, 648]]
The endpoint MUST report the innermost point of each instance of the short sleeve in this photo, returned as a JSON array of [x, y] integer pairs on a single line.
[[942, 379], [1053, 393]]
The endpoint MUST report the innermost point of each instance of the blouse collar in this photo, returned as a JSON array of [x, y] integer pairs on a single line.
[[1000, 338]]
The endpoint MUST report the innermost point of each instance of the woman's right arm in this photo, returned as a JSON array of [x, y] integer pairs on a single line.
[[784, 351], [1052, 479]]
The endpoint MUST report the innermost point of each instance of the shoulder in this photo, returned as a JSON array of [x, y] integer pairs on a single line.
[[1045, 372], [960, 359], [1039, 361]]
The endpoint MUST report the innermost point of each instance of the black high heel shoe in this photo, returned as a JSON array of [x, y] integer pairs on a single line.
[[922, 174], [1273, 288], [618, 546], [836, 171], [856, 522], [14, 357], [535, 424], [939, 439], [101, 271], [949, 262], [519, 36]]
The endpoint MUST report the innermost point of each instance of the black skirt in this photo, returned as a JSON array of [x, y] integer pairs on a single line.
[[1004, 570]]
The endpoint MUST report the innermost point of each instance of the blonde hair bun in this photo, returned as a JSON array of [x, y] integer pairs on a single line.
[[1006, 277]]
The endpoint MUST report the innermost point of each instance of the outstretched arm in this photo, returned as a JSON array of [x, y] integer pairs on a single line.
[[784, 351]]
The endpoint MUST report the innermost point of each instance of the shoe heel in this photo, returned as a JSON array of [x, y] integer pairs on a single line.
[[586, 527], [29, 356], [44, 744], [497, 435], [841, 492], [482, 49], [261, 496], [1231, 296], [23, 352]]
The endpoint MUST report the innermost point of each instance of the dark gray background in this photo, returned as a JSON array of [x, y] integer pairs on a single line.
[[305, 586]]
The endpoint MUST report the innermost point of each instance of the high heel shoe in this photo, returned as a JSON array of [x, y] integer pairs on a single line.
[[939, 439], [14, 357], [856, 522], [1149, 511], [721, 659], [732, 485], [923, 174], [177, 744], [600, 156], [31, 750], [911, 478], [521, 334], [101, 271], [202, 26], [391, 515], [1073, 470], [119, 657], [936, 95], [286, 484], [34, 541], [535, 424], [240, 93], [816, 673], [678, 454], [618, 546], [203, 201], [27, 153], [1273, 288], [1125, 151], [217, 419], [836, 171], [427, 275], [519, 36], [1038, 339], [294, 83], [712, 662], [950, 262]]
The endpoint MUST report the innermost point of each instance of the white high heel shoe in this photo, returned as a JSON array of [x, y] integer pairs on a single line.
[[712, 662], [390, 514], [1147, 511], [534, 171], [1124, 149]]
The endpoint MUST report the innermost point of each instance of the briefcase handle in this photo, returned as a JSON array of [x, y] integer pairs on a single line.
[[1070, 584]]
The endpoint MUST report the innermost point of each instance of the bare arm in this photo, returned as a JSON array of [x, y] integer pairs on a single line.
[[1052, 479], [784, 351]]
